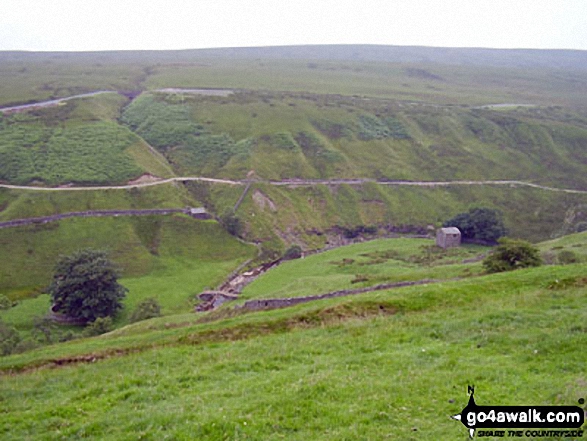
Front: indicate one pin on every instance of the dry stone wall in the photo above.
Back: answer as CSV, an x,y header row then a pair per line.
x,y
264,304
100,213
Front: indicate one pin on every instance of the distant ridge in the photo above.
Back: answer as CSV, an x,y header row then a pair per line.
x,y
520,58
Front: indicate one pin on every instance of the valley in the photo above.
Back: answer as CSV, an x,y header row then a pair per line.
x,y
349,158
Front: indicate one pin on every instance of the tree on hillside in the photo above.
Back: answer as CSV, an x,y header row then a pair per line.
x,y
512,254
483,224
85,286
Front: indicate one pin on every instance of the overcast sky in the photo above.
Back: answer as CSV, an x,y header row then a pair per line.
x,y
76,25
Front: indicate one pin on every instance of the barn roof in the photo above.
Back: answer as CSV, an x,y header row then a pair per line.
x,y
450,230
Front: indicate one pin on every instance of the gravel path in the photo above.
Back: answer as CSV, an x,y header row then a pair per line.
x,y
298,183
51,102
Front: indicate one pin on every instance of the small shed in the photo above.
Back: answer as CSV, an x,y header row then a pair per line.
x,y
448,237
199,213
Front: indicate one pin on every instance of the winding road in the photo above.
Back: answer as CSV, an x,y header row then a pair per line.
x,y
286,182
50,103
297,183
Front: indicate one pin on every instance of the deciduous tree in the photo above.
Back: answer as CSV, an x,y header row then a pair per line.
x,y
85,286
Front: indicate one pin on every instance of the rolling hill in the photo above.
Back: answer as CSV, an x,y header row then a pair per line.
x,y
391,364
368,114
298,145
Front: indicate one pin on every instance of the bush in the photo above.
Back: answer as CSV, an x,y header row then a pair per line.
x,y
44,329
101,325
566,257
512,254
148,308
482,224
353,232
293,252
9,339
232,223
85,286
24,345
5,302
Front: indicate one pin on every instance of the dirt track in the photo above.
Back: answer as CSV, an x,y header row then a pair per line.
x,y
50,103
298,183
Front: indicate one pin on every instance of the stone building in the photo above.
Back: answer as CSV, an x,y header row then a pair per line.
x,y
199,213
448,237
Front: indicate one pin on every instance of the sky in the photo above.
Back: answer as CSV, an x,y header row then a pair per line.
x,y
90,25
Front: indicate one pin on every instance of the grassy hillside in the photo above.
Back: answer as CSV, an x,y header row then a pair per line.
x,y
365,264
388,365
77,142
137,244
305,215
281,136
385,365
380,114
320,136
17,204
567,249
169,258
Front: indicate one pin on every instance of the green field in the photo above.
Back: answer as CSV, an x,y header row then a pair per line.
x,y
387,365
171,259
365,264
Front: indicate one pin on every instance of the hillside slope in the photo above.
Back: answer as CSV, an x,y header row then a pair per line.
x,y
321,136
387,365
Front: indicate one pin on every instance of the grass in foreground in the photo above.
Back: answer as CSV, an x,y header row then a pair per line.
x,y
391,365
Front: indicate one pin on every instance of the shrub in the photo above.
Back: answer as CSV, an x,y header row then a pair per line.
x,y
232,223
284,141
5,302
512,254
371,127
353,232
566,257
9,339
160,123
99,326
331,129
44,329
24,345
293,252
148,308
92,153
85,286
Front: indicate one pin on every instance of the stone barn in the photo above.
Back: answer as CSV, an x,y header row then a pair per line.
x,y
199,213
448,237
